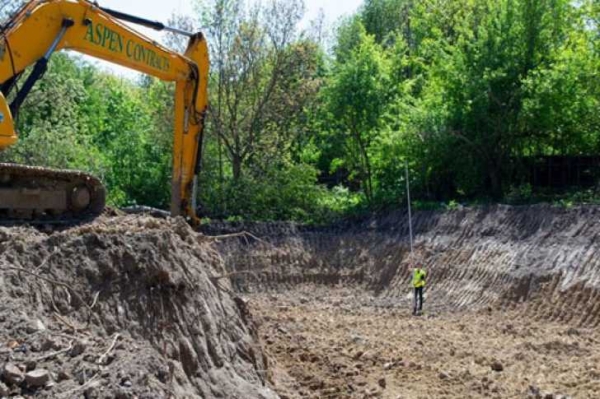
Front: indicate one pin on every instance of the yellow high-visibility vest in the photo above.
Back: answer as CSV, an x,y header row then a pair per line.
x,y
419,278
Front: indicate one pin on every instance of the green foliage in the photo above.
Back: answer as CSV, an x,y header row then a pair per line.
x,y
460,91
354,99
50,119
470,88
562,100
86,119
287,192
521,194
384,19
338,202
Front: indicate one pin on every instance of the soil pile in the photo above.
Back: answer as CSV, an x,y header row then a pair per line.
x,y
125,307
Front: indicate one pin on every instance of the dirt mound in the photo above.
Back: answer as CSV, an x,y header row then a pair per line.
x,y
125,307
541,258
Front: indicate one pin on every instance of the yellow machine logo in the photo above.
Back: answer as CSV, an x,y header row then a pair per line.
x,y
107,38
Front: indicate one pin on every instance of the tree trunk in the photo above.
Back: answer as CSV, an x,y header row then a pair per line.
x,y
236,163
369,177
496,183
366,165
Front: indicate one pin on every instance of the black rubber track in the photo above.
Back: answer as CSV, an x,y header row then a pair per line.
x,y
45,177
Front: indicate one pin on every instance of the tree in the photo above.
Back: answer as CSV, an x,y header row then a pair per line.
x,y
250,63
50,119
561,100
386,18
176,41
356,97
497,46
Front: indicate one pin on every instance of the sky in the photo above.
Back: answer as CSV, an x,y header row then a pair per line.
x,y
161,10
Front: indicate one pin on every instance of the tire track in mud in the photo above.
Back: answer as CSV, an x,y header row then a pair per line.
x,y
541,258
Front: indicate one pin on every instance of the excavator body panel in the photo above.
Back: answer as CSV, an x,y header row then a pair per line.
x,y
8,137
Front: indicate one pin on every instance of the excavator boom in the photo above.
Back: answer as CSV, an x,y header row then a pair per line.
x,y
43,27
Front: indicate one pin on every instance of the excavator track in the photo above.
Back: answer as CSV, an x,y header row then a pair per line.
x,y
36,195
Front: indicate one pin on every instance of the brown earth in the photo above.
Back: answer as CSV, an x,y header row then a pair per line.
x,y
137,307
339,343
514,285
126,307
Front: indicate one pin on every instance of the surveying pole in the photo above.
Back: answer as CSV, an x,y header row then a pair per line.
x,y
410,232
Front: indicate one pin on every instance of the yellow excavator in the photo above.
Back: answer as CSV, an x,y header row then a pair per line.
x,y
29,38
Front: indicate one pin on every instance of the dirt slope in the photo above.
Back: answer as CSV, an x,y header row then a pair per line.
x,y
542,256
125,307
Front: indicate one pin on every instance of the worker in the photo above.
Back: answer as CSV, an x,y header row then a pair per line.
x,y
418,282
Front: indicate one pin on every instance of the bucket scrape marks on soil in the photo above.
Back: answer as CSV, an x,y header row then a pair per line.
x,y
341,343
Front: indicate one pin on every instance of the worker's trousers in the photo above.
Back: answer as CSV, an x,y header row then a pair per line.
x,y
418,302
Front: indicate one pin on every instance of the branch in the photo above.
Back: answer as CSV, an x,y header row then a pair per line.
x,y
48,280
81,388
51,355
226,141
258,111
65,322
110,348
46,259
242,234
95,300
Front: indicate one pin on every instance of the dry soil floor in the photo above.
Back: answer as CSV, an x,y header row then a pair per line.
x,y
328,342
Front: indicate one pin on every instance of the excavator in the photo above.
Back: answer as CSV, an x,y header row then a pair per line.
x,y
40,28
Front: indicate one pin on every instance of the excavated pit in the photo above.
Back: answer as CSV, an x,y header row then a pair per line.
x,y
512,303
543,259
138,307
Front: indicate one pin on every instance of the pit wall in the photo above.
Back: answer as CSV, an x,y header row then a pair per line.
x,y
541,258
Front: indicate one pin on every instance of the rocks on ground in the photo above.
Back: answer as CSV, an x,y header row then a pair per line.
x,y
102,310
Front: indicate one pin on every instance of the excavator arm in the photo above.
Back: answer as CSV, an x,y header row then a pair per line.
x,y
43,27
